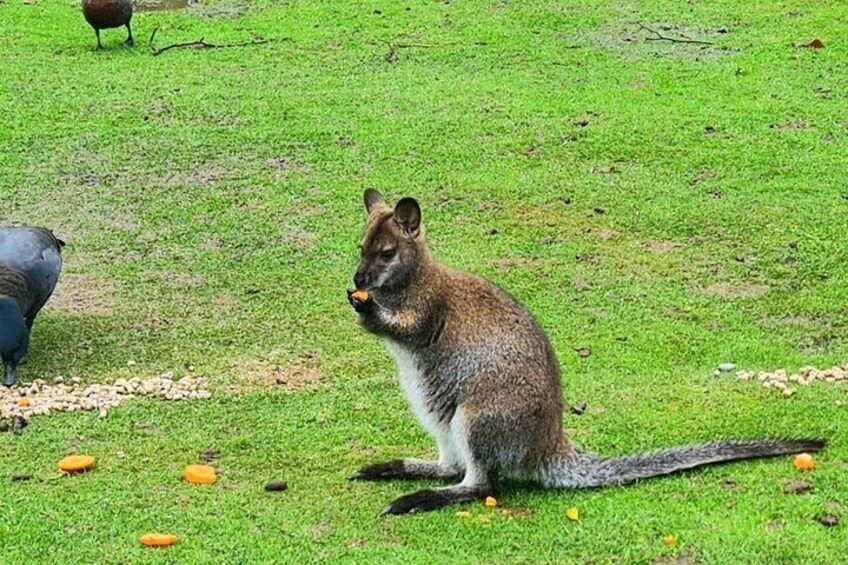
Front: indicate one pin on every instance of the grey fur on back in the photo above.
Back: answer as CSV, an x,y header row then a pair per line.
x,y
36,255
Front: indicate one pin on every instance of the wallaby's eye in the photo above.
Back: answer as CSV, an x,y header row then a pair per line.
x,y
387,254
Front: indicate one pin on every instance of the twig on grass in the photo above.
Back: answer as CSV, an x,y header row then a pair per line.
x,y
201,44
661,37
392,55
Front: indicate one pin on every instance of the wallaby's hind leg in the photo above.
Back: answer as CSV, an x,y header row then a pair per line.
x,y
406,469
435,498
478,481
449,466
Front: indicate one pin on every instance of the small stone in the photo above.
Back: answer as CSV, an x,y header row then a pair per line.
x,y
58,380
579,408
797,487
130,363
18,424
726,367
276,486
827,520
4,425
583,351
76,380
103,413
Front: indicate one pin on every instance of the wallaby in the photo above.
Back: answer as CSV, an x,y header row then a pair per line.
x,y
483,380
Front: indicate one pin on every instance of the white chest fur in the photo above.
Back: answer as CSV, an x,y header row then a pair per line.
x,y
412,383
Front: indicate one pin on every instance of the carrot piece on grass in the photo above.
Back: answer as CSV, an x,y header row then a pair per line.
x,y
74,463
158,540
201,474
805,462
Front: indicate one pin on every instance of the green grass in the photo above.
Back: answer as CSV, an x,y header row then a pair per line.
x,y
180,181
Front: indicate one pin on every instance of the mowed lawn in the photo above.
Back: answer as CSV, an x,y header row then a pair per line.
x,y
670,206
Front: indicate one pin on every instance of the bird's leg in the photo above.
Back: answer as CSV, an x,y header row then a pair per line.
x,y
97,33
129,42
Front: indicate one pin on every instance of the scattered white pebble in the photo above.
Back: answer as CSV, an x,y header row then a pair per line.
x,y
61,397
726,367
805,376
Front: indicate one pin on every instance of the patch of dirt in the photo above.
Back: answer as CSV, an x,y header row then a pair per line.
x,y
206,174
793,125
684,558
703,174
78,293
266,374
318,531
298,238
580,284
660,246
509,263
181,280
210,242
122,222
281,164
517,512
354,543
737,290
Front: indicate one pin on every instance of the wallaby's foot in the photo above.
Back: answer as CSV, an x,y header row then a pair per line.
x,y
379,471
433,499
406,469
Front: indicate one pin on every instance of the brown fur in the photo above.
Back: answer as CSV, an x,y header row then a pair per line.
x,y
482,377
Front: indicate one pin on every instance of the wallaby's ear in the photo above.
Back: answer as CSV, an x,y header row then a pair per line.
x,y
408,216
372,198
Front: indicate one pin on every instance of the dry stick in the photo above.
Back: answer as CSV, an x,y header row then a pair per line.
x,y
391,56
661,37
200,44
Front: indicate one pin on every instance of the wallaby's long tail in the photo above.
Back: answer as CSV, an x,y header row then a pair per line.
x,y
586,470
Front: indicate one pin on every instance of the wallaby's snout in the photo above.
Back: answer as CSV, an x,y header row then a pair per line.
x,y
359,278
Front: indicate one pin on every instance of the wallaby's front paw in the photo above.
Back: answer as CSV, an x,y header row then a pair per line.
x,y
361,301
421,501
380,471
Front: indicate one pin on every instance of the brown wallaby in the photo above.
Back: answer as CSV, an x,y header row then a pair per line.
x,y
482,378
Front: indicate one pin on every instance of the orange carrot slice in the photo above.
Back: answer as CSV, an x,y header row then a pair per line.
x,y
23,402
361,295
154,539
75,463
201,474
805,462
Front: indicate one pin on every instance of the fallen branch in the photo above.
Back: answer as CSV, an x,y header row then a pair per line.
x,y
392,56
661,37
201,44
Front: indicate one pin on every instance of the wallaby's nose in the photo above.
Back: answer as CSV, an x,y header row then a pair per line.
x,y
359,280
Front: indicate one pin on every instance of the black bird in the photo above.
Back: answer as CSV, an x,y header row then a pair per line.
x,y
105,14
30,263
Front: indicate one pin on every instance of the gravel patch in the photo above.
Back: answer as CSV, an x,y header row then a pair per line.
x,y
785,382
40,398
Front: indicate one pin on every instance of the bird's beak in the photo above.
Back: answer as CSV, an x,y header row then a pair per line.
x,y
11,375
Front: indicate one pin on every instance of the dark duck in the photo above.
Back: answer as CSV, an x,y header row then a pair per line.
x,y
107,14
30,263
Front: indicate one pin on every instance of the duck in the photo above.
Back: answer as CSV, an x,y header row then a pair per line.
x,y
106,14
30,264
